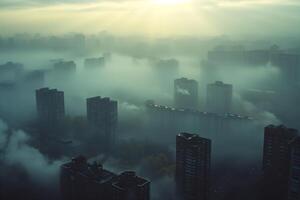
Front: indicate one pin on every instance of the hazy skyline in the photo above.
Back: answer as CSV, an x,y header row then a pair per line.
x,y
152,18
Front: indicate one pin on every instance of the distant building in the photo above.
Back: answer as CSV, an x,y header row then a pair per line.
x,y
186,93
165,71
227,55
263,99
167,64
65,67
77,42
192,166
238,55
171,120
289,65
93,63
294,179
276,160
128,186
102,115
80,180
50,106
34,79
288,62
11,72
257,57
219,97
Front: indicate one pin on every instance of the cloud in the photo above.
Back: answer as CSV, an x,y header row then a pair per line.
x,y
183,91
140,17
18,152
29,3
41,3
252,2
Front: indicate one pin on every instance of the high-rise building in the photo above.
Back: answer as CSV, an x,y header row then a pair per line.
x,y
50,112
80,180
276,160
289,64
219,97
50,106
129,186
186,93
294,179
102,115
168,120
192,166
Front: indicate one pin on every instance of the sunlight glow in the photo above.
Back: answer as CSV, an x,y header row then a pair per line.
x,y
170,2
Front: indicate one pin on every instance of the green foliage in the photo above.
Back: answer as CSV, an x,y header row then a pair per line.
x,y
159,165
156,159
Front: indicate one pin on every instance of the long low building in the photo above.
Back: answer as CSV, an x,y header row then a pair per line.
x,y
171,120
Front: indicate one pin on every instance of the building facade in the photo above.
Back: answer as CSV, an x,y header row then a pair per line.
x,y
94,63
129,186
50,106
294,179
192,167
219,97
186,93
65,67
276,160
102,116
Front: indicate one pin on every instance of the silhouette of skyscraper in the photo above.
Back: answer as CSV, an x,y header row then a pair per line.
x,y
102,115
192,166
219,97
50,106
186,93
65,67
276,160
294,179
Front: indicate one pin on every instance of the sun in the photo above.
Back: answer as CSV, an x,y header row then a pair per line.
x,y
170,2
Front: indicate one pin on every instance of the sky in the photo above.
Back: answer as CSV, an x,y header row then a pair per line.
x,y
153,18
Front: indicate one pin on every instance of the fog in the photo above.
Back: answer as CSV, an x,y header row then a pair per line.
x,y
134,73
27,166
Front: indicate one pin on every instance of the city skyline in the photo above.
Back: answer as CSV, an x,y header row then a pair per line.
x,y
149,99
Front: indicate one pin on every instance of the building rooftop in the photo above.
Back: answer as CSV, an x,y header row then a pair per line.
x,y
281,127
94,172
11,66
189,137
129,179
283,131
46,89
100,99
220,83
196,112
183,79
